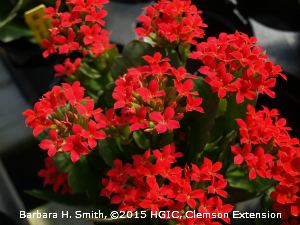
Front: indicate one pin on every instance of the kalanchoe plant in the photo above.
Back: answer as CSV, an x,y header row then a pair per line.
x,y
163,139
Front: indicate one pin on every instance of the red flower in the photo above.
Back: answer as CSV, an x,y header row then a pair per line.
x,y
37,118
176,21
189,196
155,59
151,92
264,88
218,79
217,188
136,186
52,176
52,144
181,74
268,151
184,89
72,123
68,44
74,93
193,104
139,122
79,28
167,155
97,17
93,134
86,109
154,95
76,147
232,63
67,68
210,169
243,89
242,154
50,46
284,195
295,208
90,33
164,122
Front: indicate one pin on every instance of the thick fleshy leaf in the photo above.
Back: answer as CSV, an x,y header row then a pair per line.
x,y
227,121
141,140
83,179
88,71
201,123
238,180
132,56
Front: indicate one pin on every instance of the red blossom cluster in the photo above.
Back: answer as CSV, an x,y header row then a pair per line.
x,y
176,21
287,173
151,182
259,129
269,151
77,27
234,64
55,178
67,68
155,96
72,123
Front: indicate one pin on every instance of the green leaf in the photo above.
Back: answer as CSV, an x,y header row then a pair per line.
x,y
222,108
141,140
161,140
135,50
174,58
119,67
238,178
201,123
227,122
13,31
88,71
70,199
62,162
124,133
109,151
241,188
132,56
104,62
85,180
109,88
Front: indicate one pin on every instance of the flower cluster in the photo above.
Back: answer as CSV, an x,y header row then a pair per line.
x,y
259,129
233,64
72,123
287,173
176,21
149,104
79,28
55,178
151,182
269,151
155,96
67,68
